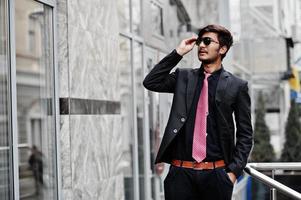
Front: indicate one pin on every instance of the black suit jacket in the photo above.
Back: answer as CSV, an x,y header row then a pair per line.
x,y
231,97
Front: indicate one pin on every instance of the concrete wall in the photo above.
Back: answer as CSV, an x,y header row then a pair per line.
x,y
88,68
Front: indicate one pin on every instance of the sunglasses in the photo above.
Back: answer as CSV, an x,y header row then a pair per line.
x,y
205,40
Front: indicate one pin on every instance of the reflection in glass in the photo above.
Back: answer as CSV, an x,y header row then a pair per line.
x,y
136,9
157,19
139,108
154,135
126,116
4,105
123,7
34,77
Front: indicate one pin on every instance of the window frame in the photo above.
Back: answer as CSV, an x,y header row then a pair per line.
x,y
12,93
133,37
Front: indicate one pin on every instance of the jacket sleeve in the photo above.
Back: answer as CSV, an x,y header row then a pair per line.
x,y
244,132
159,78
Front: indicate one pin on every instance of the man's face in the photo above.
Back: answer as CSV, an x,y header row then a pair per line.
x,y
211,52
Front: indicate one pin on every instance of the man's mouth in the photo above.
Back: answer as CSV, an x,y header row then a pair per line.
x,y
202,50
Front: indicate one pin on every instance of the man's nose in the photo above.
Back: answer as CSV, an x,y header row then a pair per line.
x,y
201,47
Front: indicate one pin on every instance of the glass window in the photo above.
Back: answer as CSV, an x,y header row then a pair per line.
x,y
126,96
138,70
157,18
136,16
154,131
35,100
124,15
4,105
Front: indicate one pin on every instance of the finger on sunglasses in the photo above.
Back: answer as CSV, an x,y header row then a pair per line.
x,y
190,41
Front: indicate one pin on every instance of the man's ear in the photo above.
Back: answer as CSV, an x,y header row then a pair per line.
x,y
223,50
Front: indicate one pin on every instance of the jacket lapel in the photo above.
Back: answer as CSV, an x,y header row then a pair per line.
x,y
221,86
191,88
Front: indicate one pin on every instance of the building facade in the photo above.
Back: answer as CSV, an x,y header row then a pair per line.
x,y
268,30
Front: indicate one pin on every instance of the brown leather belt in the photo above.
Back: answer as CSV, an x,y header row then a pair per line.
x,y
198,166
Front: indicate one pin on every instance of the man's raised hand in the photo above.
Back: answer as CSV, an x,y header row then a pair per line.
x,y
186,45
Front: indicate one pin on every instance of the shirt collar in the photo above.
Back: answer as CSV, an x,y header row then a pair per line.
x,y
214,74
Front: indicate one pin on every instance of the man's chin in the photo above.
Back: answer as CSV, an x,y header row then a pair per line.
x,y
203,60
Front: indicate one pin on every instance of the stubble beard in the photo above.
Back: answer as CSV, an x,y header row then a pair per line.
x,y
209,60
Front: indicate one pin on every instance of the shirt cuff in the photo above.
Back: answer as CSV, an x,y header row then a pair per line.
x,y
176,54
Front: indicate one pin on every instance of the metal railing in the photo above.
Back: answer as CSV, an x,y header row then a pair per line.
x,y
252,169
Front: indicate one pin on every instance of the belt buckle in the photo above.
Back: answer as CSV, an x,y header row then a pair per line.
x,y
195,164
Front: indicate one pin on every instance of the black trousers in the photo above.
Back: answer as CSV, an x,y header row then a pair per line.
x,y
189,184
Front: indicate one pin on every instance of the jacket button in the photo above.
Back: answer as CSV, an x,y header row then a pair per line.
x,y
175,130
182,119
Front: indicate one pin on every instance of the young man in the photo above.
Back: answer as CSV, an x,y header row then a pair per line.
x,y
199,142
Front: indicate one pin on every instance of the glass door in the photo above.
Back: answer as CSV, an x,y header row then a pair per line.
x,y
5,145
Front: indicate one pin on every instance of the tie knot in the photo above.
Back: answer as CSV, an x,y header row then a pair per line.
x,y
206,75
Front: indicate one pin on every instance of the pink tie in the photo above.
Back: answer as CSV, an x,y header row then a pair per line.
x,y
200,126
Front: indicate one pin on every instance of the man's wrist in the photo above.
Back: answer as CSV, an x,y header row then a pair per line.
x,y
232,177
180,52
